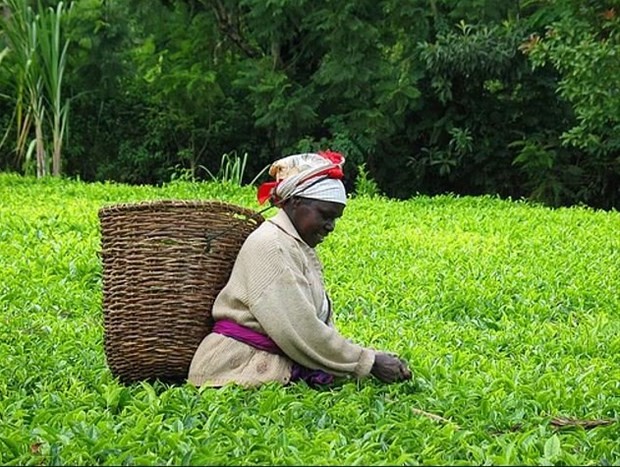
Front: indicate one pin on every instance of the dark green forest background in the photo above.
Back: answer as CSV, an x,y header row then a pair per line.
x,y
515,98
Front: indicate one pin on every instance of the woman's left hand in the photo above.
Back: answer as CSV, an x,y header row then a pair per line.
x,y
389,368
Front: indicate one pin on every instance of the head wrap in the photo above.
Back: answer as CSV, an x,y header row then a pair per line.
x,y
308,175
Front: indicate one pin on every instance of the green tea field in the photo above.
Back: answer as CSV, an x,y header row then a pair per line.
x,y
508,313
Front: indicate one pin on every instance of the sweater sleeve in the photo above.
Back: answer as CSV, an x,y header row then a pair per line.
x,y
285,310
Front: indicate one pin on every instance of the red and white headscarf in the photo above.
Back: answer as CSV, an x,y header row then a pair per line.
x,y
309,175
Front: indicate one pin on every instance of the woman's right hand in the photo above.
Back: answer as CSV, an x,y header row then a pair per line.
x,y
389,368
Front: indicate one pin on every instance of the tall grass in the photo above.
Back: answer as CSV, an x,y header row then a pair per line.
x,y
508,313
37,54
232,170
53,57
20,33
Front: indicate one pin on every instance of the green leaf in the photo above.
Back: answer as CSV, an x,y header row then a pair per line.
x,y
553,447
12,445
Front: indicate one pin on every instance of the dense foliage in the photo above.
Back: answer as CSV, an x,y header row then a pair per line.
x,y
507,312
518,99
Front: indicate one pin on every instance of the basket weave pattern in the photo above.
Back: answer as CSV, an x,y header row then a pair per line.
x,y
162,269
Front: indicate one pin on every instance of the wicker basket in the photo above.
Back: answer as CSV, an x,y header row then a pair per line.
x,y
163,265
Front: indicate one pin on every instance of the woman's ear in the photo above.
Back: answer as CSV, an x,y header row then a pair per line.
x,y
289,205
295,201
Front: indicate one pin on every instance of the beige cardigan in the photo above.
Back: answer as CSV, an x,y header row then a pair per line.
x,y
276,288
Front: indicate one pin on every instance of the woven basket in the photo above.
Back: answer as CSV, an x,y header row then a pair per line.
x,y
162,269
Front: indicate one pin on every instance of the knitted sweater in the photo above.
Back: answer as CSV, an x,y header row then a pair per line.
x,y
275,288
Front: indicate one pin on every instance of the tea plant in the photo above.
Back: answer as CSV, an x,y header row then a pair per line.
x,y
507,312
364,184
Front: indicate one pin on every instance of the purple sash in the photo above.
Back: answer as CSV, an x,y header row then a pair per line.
x,y
229,328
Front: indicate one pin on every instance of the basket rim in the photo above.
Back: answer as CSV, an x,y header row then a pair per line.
x,y
190,203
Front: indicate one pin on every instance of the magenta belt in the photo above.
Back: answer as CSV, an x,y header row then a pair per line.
x,y
229,328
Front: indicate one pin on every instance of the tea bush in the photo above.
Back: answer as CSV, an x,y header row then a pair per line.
x,y
507,312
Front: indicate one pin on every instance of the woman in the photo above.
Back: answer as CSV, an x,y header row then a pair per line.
x,y
273,319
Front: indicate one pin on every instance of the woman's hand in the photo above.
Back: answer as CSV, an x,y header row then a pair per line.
x,y
389,368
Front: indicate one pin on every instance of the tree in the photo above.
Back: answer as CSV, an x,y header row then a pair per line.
x,y
584,47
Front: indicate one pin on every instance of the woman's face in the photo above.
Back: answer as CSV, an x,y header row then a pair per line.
x,y
314,219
